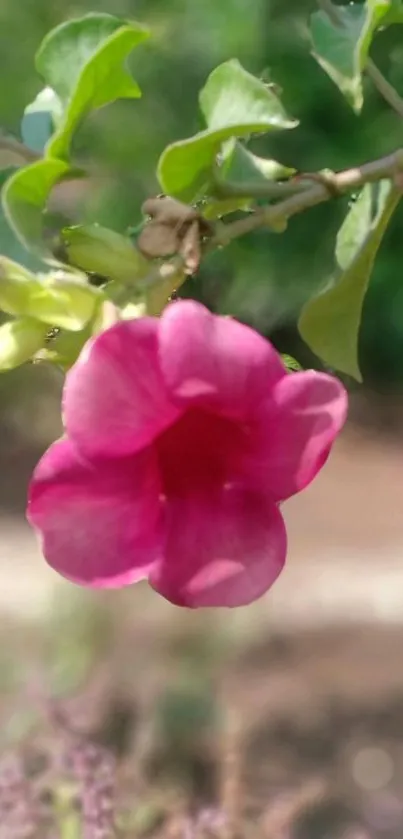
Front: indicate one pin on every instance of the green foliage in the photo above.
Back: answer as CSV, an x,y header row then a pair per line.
x,y
330,323
234,104
341,47
83,61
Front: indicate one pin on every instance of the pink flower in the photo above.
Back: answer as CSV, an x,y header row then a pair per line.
x,y
183,435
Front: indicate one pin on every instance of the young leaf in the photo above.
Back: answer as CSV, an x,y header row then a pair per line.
x,y
83,60
234,104
330,323
101,251
291,364
24,199
342,50
19,341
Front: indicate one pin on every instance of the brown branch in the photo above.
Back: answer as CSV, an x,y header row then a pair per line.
x,y
270,189
342,183
275,217
386,90
19,152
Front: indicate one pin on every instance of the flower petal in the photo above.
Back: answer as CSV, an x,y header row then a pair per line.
x,y
99,524
215,361
221,550
295,434
115,399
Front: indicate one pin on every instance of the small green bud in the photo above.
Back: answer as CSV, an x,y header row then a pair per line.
x,y
102,251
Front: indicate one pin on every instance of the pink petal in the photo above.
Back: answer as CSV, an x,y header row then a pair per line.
x,y
225,549
297,429
215,361
99,524
115,400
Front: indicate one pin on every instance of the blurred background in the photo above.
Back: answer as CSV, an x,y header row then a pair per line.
x,y
287,716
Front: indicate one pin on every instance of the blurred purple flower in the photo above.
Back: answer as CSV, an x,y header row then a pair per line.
x,y
95,771
183,435
18,812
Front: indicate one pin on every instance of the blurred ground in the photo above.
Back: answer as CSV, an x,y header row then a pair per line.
x,y
287,714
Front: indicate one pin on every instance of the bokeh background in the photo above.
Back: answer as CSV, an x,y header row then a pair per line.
x,y
287,715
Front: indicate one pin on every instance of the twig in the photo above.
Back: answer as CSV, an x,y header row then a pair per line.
x,y
275,216
271,189
387,91
18,150
342,183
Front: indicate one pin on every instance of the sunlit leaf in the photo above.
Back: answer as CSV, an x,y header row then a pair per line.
x,y
102,251
16,285
330,323
65,301
84,61
234,104
342,50
24,199
58,299
19,341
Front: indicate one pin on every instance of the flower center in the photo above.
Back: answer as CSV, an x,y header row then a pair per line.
x,y
198,452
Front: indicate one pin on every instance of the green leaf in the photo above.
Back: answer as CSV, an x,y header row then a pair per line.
x,y
342,50
57,299
354,231
39,119
83,60
242,167
102,251
395,15
19,341
234,104
24,199
330,323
